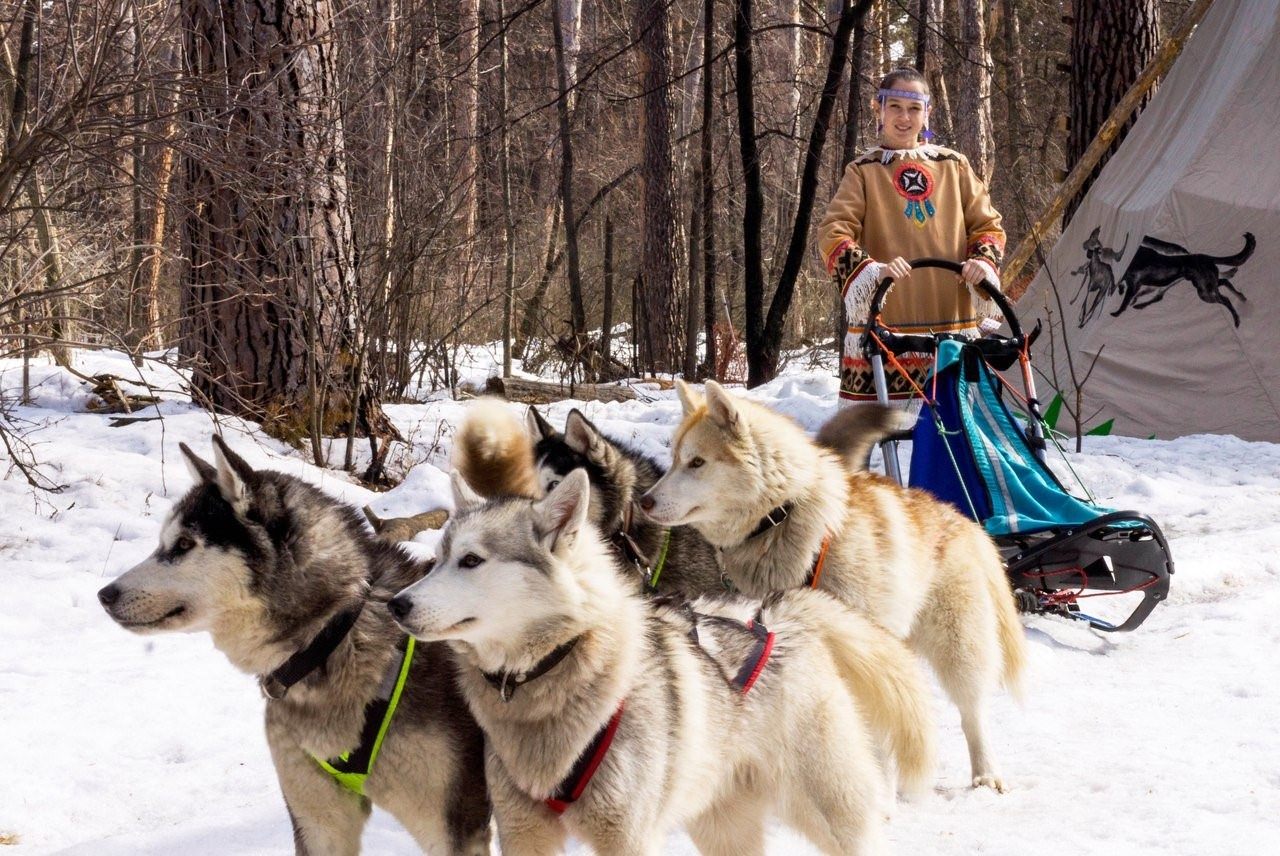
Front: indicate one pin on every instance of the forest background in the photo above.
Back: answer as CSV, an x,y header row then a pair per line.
x,y
309,206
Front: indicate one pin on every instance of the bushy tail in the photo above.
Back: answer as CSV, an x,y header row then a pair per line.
x,y
854,431
494,453
1013,642
889,685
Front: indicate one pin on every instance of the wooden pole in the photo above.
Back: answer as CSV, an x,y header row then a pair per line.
x,y
1160,63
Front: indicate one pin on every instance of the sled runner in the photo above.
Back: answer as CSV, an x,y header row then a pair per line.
x,y
970,450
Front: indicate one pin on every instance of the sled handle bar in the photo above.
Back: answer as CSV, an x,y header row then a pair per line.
x,y
906,342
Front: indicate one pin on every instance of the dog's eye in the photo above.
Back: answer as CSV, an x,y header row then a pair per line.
x,y
183,544
470,560
694,463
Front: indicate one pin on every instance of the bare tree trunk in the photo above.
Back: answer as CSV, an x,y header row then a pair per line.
x,y
658,257
508,213
1111,42
578,316
152,335
753,193
58,306
270,284
707,174
940,116
922,33
972,119
465,114
606,319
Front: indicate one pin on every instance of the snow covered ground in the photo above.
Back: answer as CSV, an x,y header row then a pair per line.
x,y
1164,741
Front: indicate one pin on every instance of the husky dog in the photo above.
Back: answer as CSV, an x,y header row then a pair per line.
x,y
627,717
673,559
786,513
291,586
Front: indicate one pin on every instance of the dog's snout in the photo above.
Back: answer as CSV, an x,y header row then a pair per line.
x,y
109,595
646,503
400,607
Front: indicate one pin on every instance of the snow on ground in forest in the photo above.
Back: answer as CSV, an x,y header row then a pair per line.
x,y
1163,741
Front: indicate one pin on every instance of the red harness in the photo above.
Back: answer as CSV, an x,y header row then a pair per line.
x,y
570,790
575,784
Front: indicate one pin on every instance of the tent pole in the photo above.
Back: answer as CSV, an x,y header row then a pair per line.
x,y
1158,65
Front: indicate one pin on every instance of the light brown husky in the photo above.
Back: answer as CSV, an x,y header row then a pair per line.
x,y
758,488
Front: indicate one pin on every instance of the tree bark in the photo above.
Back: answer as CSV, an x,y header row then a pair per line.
x,y
578,315
1111,42
707,174
659,333
269,285
972,119
508,210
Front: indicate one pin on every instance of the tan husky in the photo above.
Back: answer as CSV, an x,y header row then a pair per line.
x,y
617,718
772,500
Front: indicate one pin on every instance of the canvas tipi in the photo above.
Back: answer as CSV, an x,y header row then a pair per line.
x,y
1168,275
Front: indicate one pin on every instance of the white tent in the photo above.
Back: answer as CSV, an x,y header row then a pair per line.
x,y
1169,272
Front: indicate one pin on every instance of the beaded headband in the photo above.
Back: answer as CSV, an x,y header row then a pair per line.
x,y
883,94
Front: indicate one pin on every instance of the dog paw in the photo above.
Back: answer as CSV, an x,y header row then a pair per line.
x,y
990,781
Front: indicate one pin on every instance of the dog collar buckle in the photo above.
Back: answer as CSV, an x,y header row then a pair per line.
x,y
272,687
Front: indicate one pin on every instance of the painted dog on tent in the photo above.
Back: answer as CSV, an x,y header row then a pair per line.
x,y
1158,265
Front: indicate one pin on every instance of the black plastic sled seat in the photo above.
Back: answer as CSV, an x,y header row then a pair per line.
x,y
969,449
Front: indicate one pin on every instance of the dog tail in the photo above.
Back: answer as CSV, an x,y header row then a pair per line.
x,y
1013,641
854,431
1241,257
885,678
494,453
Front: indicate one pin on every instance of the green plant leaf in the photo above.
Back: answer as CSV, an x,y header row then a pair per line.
x,y
1103,430
1055,410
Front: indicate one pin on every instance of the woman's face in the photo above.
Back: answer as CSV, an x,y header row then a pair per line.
x,y
902,119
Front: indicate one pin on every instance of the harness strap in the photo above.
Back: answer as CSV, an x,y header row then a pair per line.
x,y
312,657
652,582
571,789
775,517
815,575
750,671
506,683
352,768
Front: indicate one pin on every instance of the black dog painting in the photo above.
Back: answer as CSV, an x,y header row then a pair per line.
x,y
1158,266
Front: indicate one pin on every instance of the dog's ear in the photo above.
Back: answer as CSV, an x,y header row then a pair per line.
x,y
201,470
464,496
563,512
234,477
689,398
539,428
721,407
586,439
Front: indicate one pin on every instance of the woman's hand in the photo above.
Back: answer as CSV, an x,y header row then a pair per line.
x,y
899,269
973,272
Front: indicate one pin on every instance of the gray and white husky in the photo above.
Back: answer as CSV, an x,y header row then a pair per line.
x,y
292,587
786,512
617,718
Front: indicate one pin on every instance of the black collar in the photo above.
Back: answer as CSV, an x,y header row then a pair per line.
x,y
506,683
312,657
772,519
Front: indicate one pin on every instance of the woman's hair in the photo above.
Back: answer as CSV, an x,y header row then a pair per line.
x,y
904,75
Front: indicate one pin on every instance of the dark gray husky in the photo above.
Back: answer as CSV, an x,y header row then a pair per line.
x,y
293,588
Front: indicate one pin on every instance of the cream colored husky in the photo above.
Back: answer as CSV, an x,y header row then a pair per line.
x,y
619,718
758,488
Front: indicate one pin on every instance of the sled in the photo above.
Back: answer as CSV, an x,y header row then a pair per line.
x,y
969,449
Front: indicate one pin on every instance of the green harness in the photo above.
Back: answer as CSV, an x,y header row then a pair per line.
x,y
352,768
